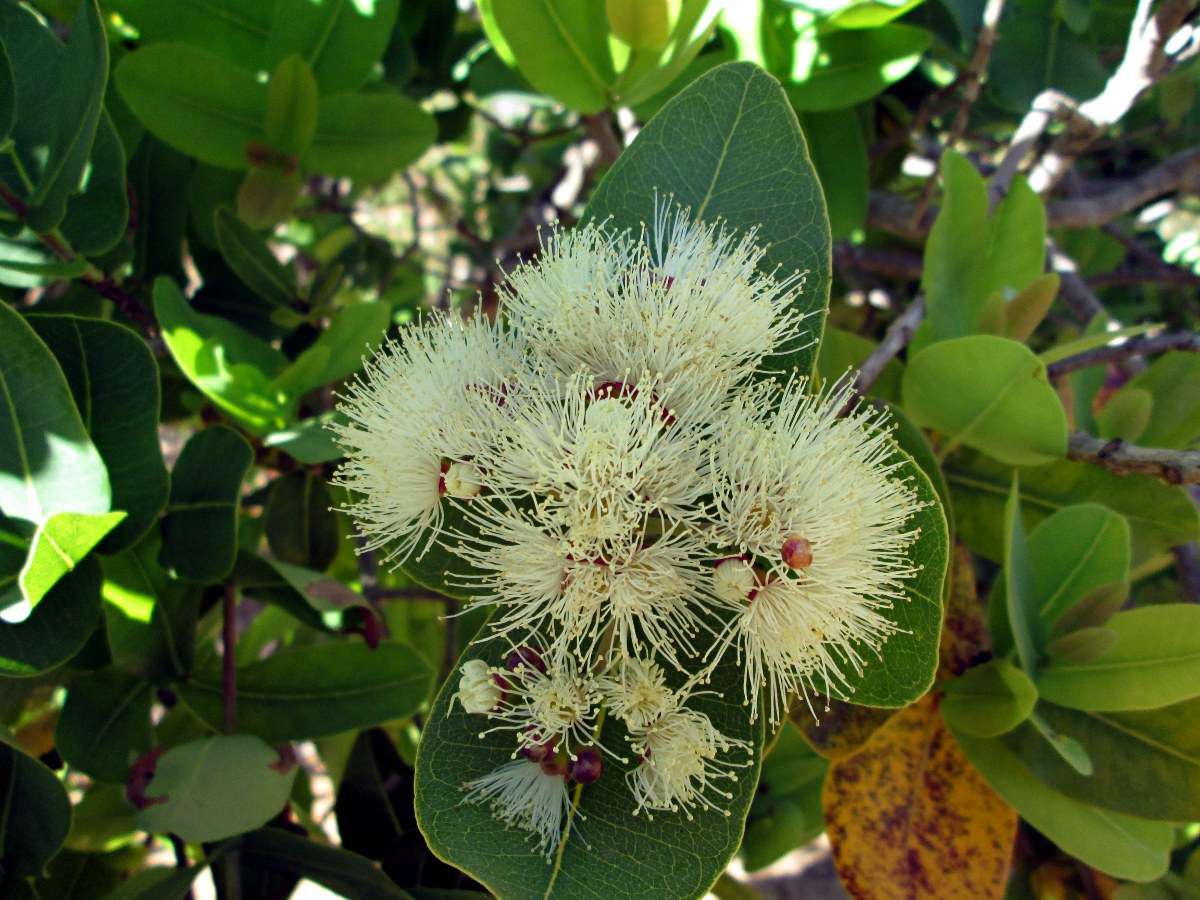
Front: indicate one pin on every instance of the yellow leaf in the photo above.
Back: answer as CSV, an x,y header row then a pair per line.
x,y
838,728
964,636
908,816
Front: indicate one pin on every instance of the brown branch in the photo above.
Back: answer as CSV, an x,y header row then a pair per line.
x,y
1136,346
1172,466
896,338
1180,172
601,129
1187,565
1144,62
899,264
1074,291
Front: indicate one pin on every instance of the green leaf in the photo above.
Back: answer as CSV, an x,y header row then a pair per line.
x,y
839,153
156,173
1096,608
59,545
200,529
1084,645
988,700
908,660
37,814
1001,401
8,93
1120,845
1126,414
230,366
1145,762
150,619
197,102
1159,516
105,723
47,462
1154,662
786,812
912,440
624,855
1071,751
728,146
77,99
648,73
368,137
1074,552
1024,312
98,216
1095,335
842,351
339,870
291,118
159,883
837,69
341,40
315,599
252,260
561,47
1020,598
316,691
971,257
353,335
1173,381
232,28
114,380
870,13
302,528
216,787
57,628
25,262
309,442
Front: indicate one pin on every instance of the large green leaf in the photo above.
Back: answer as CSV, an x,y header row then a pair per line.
x,y
105,723
8,93
1020,598
54,159
835,69
1075,551
114,380
200,531
1159,516
368,137
839,153
315,691
98,216
232,367
608,850
216,787
57,628
302,528
25,262
1120,845
36,814
1173,383
252,260
729,146
59,545
989,393
353,334
560,46
341,40
989,700
1154,661
907,662
972,257
197,102
47,462
233,28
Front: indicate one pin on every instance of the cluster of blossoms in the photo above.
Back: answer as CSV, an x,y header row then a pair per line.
x,y
636,505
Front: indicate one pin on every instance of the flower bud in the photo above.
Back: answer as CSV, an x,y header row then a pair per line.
x,y
478,691
461,480
586,767
797,552
525,656
733,579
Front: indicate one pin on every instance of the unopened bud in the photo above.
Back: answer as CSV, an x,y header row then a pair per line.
x,y
461,480
478,691
797,552
733,579
525,656
586,767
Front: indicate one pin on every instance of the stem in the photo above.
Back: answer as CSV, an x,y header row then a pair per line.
x,y
1172,466
1137,346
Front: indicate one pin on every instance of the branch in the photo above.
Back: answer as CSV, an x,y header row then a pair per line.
x,y
1180,172
1137,346
1145,61
896,338
1074,290
899,264
1172,466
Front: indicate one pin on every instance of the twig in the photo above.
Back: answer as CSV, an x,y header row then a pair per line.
x,y
600,128
1136,346
1172,466
896,338
972,80
1046,107
1180,172
1144,62
899,264
1073,289
1187,564
228,659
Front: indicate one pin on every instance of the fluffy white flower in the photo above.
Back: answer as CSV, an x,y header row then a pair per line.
x,y
637,693
479,688
682,764
815,501
685,304
413,424
524,795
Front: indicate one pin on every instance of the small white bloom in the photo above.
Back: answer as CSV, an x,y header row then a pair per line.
x,y
733,580
413,421
813,498
523,795
682,764
637,693
479,691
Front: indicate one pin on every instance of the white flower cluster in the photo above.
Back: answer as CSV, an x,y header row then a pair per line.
x,y
636,506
